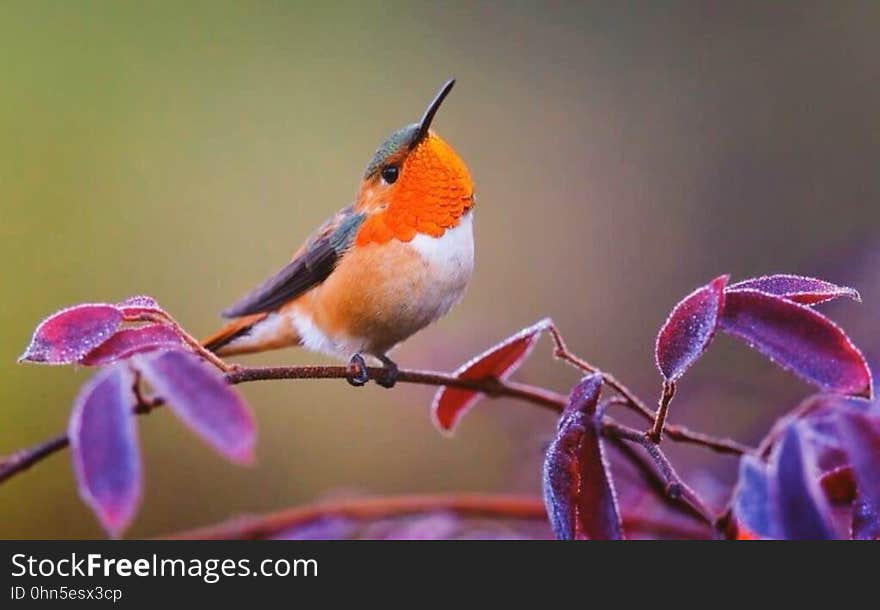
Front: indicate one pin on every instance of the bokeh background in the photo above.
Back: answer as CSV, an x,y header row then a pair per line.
x,y
624,153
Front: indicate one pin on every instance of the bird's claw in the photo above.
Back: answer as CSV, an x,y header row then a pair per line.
x,y
388,378
357,371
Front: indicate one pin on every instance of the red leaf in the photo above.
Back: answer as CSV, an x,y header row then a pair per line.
x,y
751,501
68,335
799,506
500,361
578,492
104,445
136,308
689,329
199,396
130,341
805,290
839,485
798,339
860,435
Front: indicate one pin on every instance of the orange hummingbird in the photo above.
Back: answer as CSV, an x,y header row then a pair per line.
x,y
378,271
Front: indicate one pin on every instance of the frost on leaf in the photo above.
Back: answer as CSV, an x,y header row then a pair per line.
x,y
135,308
129,341
500,361
104,446
199,395
68,335
578,491
804,290
689,329
798,339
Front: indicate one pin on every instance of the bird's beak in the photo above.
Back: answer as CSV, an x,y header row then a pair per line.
x,y
432,109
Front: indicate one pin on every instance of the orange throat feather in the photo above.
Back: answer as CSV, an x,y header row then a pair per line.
x,y
434,191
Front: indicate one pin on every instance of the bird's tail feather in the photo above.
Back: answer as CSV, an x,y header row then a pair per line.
x,y
224,341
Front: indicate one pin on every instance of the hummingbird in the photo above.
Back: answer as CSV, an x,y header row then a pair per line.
x,y
379,270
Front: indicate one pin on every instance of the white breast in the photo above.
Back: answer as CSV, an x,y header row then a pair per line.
x,y
450,260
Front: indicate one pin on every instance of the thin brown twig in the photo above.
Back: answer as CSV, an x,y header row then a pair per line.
x,y
24,459
656,433
675,488
562,352
490,386
647,471
192,342
726,446
631,399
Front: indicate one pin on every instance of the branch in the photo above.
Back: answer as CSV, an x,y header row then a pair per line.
x,y
726,446
491,506
672,486
675,489
363,509
665,479
647,471
24,459
656,433
490,386
631,400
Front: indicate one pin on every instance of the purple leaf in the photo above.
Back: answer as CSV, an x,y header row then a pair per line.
x,y
860,434
689,329
103,441
751,501
798,339
139,307
68,335
804,290
199,396
866,520
500,361
799,507
819,412
578,492
129,341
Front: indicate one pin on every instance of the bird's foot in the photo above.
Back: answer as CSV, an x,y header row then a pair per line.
x,y
390,371
357,371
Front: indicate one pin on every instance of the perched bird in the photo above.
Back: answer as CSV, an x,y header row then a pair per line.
x,y
381,269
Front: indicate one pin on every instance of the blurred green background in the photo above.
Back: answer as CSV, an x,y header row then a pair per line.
x,y
624,153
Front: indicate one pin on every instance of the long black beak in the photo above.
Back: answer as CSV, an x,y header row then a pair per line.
x,y
432,109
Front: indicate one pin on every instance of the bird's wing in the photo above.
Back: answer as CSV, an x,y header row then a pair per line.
x,y
311,265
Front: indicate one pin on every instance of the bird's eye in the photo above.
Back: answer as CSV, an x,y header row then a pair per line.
x,y
389,174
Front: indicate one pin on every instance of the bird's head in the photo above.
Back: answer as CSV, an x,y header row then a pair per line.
x,y
415,183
